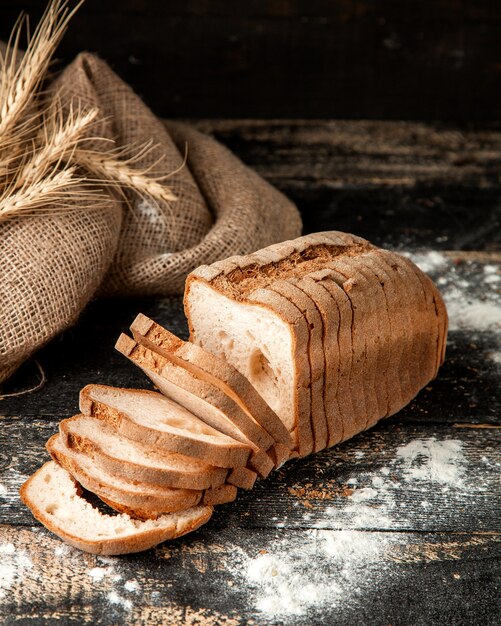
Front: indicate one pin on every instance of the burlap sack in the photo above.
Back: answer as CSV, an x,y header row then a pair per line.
x,y
50,267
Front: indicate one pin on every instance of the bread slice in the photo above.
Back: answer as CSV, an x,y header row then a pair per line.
x,y
303,298
150,418
209,367
203,399
135,461
220,495
54,498
243,477
139,500
232,314
266,342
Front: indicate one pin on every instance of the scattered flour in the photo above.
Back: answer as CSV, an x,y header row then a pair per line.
x,y
131,585
431,460
110,581
98,573
13,565
62,550
467,314
495,357
7,548
378,504
114,598
458,284
427,261
366,493
325,568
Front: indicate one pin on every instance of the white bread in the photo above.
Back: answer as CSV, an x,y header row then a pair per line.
x,y
140,500
220,495
135,461
232,314
210,367
54,498
203,399
152,419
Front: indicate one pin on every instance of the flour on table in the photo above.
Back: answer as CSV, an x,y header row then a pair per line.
x,y
98,573
458,283
431,460
13,565
115,598
131,585
427,261
324,568
374,501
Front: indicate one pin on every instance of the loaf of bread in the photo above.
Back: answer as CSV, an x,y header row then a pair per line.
x,y
292,349
333,332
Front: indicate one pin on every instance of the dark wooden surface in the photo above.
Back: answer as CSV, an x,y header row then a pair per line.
x,y
364,533
296,58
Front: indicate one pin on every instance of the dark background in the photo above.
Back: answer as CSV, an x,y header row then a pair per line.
x,y
392,59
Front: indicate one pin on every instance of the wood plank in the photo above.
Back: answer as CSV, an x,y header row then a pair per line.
x,y
261,576
396,476
398,184
466,390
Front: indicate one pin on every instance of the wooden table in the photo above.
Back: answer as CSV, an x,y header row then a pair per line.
x,y
401,525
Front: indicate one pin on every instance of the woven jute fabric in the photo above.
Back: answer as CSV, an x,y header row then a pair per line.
x,y
51,266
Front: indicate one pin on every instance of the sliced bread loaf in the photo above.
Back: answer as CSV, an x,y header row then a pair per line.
x,y
215,370
54,498
136,461
232,314
203,399
152,419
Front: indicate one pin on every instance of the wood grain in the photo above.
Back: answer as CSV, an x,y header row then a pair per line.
x,y
432,540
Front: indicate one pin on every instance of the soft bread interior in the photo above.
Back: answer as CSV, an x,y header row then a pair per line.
x,y
80,428
255,340
154,409
54,497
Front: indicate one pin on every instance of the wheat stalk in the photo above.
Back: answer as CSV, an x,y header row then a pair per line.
x,y
41,152
54,191
60,139
105,166
20,79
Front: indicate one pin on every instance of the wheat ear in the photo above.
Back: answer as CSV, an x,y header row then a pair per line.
x,y
120,172
20,79
60,139
54,191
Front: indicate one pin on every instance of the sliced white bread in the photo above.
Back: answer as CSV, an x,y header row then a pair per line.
x,y
54,498
140,500
292,290
208,366
203,399
220,495
232,315
136,461
152,419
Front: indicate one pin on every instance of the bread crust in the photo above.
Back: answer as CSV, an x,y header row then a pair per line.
x,y
219,450
141,539
200,476
196,395
219,372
